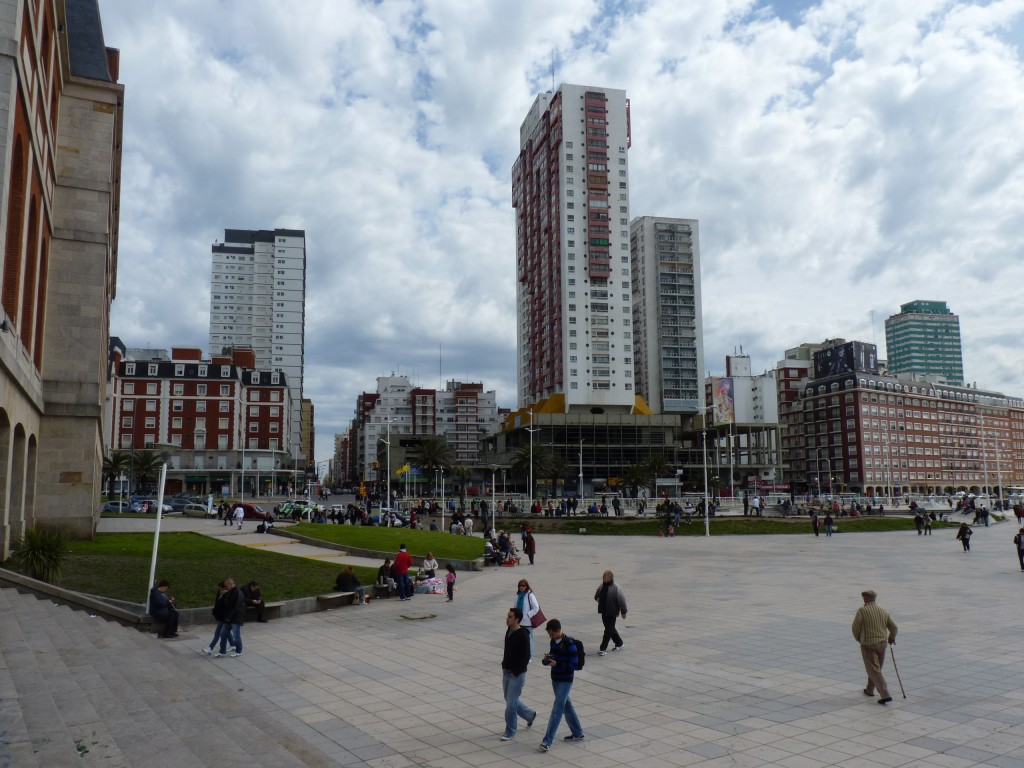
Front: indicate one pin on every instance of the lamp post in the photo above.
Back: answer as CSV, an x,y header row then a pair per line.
x,y
442,498
156,534
704,447
494,502
529,491
387,466
580,490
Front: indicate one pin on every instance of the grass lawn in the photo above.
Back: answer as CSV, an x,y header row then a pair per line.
x,y
116,565
720,526
444,546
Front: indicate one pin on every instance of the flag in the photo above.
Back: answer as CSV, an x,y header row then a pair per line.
x,y
402,470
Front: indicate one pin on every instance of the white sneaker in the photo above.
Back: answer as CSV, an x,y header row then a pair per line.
x,y
617,648
235,654
602,653
207,651
219,655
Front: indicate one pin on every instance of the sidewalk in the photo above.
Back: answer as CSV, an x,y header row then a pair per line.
x,y
738,652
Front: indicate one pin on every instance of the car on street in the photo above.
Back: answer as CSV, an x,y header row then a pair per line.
x,y
140,505
252,512
198,510
116,506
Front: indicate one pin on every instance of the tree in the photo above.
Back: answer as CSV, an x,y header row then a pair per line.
x,y
145,466
463,473
543,464
653,468
433,453
633,477
116,464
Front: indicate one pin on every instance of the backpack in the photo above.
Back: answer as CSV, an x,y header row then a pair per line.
x,y
581,653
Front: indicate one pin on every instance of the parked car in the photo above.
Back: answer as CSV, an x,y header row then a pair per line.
x,y
139,504
252,512
116,506
198,510
180,501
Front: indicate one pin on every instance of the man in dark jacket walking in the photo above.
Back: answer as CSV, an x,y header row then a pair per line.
x,y
234,614
563,658
513,673
610,604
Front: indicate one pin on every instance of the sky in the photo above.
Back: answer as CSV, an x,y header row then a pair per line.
x,y
843,157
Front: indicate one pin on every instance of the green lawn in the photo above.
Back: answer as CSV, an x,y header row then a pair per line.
x,y
116,565
444,546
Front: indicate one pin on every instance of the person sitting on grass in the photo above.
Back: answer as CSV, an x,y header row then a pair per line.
x,y
429,568
347,581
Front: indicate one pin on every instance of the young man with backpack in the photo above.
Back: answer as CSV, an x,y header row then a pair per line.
x,y
565,657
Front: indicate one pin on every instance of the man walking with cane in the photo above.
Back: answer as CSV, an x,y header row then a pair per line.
x,y
872,628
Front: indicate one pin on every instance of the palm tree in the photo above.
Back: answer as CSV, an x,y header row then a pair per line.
x,y
433,453
543,460
556,471
115,465
145,466
633,477
463,473
653,468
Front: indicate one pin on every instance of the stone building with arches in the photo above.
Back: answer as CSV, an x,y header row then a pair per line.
x,y
61,110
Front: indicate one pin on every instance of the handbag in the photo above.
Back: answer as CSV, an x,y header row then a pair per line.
x,y
537,619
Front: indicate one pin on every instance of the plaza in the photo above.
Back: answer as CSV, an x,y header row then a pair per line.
x,y
738,652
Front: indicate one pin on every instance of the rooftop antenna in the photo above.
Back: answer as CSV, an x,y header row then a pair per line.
x,y
552,70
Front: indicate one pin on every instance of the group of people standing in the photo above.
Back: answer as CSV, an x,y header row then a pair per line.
x,y
565,656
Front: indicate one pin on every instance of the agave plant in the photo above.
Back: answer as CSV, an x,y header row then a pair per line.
x,y
41,553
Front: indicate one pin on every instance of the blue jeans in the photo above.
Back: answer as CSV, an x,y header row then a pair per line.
x,y
221,630
562,705
512,687
404,585
234,632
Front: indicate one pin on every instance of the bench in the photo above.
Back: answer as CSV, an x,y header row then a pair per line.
x,y
271,611
381,591
336,600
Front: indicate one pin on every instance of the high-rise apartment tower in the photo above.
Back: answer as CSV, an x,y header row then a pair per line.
x,y
925,338
668,338
570,190
258,299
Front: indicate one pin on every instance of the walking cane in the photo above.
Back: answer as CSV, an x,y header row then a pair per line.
x,y
892,652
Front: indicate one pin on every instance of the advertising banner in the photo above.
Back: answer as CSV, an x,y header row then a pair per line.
x,y
723,402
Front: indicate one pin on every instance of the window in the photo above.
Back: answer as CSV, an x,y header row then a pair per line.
x,y
201,406
176,405
275,397
150,422
154,369
151,405
127,422
222,423
179,389
200,389
273,427
202,370
176,422
254,427
129,369
179,370
225,406
201,425
275,412
129,405
151,388
129,389
225,371
225,390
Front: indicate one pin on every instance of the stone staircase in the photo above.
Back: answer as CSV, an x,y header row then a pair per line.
x,y
76,690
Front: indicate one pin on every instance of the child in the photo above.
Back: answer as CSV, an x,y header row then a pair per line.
x,y
450,579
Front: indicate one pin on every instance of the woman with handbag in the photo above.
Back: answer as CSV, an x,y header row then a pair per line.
x,y
533,616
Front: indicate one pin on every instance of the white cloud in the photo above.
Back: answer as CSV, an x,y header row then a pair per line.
x,y
843,157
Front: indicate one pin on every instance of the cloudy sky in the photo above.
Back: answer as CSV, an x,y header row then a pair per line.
x,y
842,156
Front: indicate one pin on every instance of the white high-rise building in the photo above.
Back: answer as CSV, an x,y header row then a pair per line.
x,y
570,189
668,333
258,299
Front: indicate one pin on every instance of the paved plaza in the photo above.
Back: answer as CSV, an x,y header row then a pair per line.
x,y
738,652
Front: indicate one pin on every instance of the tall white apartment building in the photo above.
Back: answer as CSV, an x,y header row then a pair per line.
x,y
570,191
258,299
668,333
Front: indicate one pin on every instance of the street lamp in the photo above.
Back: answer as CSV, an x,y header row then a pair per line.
x,y
442,498
388,466
531,430
580,490
704,447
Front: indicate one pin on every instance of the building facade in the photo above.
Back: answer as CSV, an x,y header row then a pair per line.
x,y
883,435
924,338
258,300
462,413
570,191
60,170
222,424
668,332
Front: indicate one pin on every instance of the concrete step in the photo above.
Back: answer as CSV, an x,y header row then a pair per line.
x,y
78,690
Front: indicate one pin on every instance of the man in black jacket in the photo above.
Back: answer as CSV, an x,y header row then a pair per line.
x,y
254,597
234,614
513,673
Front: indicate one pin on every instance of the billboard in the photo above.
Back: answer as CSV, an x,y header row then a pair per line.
x,y
850,357
723,401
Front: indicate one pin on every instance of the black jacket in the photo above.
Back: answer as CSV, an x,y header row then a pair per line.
x,y
346,582
234,606
517,651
